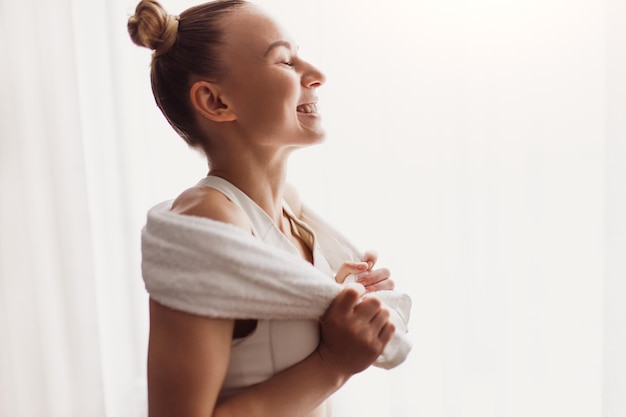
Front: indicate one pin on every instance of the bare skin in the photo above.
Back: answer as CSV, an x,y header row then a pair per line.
x,y
254,119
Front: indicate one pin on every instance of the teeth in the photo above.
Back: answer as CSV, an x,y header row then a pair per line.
x,y
307,108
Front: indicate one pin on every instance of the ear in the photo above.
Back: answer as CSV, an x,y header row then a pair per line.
x,y
207,101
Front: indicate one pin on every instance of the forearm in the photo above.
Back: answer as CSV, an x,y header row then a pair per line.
x,y
294,392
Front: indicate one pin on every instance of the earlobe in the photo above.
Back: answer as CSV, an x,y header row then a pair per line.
x,y
206,100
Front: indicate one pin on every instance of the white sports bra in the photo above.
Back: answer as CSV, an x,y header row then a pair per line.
x,y
275,344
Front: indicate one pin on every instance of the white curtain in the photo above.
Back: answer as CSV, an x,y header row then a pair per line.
x,y
50,353
614,337
478,146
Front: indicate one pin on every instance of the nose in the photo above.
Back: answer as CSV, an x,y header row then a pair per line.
x,y
312,77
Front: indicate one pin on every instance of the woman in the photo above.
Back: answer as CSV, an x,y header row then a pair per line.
x,y
229,80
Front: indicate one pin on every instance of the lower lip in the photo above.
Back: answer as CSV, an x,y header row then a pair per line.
x,y
308,114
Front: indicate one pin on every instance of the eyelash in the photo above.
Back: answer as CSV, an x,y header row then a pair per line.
x,y
288,63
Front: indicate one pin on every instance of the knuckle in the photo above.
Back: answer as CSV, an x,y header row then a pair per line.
x,y
373,302
350,294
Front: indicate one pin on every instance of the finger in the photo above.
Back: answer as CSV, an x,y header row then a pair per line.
x,y
380,319
370,257
368,308
387,332
348,268
374,277
346,300
386,284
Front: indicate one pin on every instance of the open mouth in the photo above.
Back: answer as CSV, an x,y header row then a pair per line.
x,y
309,108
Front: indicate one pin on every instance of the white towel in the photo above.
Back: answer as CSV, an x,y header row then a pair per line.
x,y
210,268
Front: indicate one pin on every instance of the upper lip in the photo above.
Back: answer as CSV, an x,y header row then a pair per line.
x,y
312,100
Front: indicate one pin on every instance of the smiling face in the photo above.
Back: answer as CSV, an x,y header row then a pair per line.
x,y
269,88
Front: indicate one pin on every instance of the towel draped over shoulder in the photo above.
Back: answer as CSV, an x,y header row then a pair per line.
x,y
205,267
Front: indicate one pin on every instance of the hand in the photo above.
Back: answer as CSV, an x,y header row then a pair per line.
x,y
354,331
372,280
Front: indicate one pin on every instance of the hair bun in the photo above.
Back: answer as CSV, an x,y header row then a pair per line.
x,y
152,27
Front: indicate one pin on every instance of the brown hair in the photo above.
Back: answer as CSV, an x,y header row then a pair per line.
x,y
184,46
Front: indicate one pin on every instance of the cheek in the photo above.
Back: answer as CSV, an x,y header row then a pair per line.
x,y
275,100
266,99
280,93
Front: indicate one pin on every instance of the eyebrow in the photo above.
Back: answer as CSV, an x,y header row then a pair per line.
x,y
276,44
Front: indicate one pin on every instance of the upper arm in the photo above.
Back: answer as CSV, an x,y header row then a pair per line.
x,y
188,354
187,361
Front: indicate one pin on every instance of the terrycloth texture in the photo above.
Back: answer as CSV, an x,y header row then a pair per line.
x,y
205,267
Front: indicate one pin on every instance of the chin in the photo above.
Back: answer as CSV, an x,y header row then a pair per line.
x,y
316,135
320,138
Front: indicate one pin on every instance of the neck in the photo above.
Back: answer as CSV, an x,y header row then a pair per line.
x,y
261,179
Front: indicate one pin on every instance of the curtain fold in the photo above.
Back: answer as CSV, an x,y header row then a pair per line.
x,y
50,339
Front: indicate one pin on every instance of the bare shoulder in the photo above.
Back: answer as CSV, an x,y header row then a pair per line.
x,y
212,204
292,198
